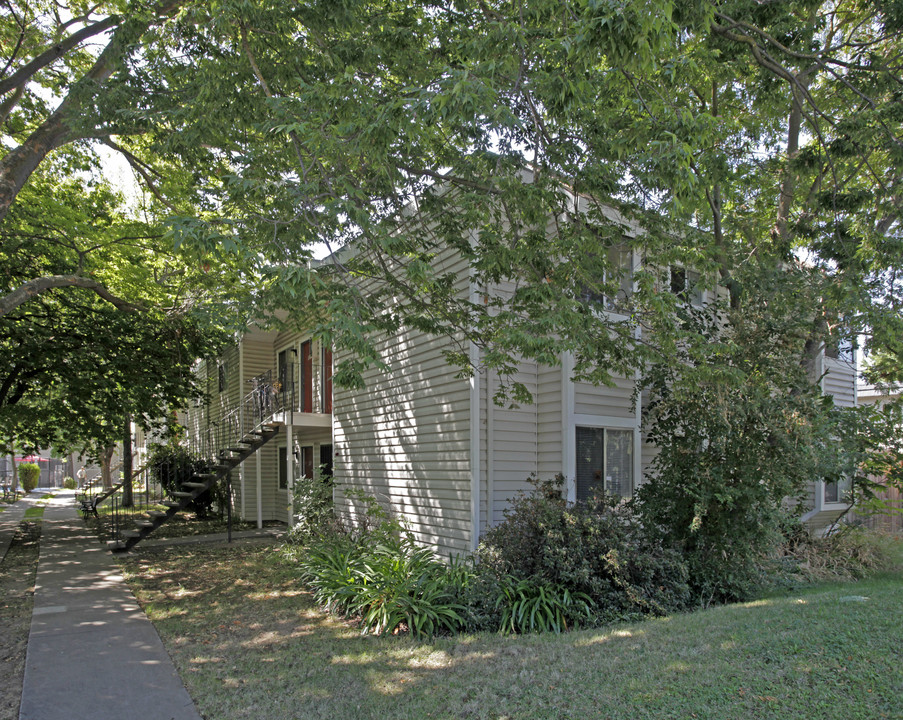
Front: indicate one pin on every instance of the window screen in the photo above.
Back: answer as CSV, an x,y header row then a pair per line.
x,y
604,462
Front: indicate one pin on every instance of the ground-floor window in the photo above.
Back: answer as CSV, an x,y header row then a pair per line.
x,y
283,468
604,462
838,492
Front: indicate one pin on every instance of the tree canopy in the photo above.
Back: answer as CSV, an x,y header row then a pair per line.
x,y
739,138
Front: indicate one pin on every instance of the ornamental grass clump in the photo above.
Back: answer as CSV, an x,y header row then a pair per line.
x,y
379,576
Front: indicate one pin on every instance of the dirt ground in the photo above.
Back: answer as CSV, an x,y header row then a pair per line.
x,y
17,578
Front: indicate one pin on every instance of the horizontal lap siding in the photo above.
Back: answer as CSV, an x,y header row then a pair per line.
x,y
257,358
550,460
405,438
840,382
513,452
603,400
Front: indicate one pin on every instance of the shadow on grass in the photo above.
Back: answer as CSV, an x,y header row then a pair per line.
x,y
249,642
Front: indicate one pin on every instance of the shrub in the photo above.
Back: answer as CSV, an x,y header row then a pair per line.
x,y
596,552
314,510
29,474
380,576
849,553
172,465
69,483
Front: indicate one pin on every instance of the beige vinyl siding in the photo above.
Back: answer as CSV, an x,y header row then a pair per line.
x,y
273,500
405,437
513,449
603,400
840,381
550,460
257,358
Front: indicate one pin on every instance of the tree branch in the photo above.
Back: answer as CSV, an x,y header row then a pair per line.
x,y
33,288
24,73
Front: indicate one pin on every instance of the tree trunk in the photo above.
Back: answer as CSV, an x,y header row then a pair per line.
x,y
15,472
106,475
18,165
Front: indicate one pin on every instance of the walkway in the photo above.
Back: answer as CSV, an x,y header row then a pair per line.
x,y
92,652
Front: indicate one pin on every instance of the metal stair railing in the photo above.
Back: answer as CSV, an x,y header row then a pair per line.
x,y
239,434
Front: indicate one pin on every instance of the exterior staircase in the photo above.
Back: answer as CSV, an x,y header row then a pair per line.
x,y
227,443
229,459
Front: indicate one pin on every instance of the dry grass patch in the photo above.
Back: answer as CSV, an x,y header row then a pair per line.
x,y
249,643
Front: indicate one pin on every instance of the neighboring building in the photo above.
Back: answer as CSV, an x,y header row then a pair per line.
x,y
869,394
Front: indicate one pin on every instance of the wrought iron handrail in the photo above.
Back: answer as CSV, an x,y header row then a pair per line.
x,y
152,485
266,398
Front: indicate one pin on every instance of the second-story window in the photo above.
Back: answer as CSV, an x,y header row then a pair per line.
x,y
618,281
685,284
222,377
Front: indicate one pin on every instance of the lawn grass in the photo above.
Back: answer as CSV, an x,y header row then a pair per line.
x,y
249,643
34,513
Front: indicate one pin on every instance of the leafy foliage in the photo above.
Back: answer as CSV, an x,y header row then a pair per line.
x,y
171,465
594,554
383,578
527,606
29,473
740,427
314,509
848,553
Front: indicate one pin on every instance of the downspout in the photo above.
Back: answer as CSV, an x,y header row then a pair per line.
x,y
490,451
568,429
474,433
474,448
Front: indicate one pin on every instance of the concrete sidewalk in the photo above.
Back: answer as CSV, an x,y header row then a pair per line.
x,y
92,652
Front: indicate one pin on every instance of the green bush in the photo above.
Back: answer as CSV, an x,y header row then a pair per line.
x,y
314,510
596,552
382,577
29,474
850,553
172,465
69,483
528,606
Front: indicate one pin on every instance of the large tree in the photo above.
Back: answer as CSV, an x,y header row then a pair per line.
x,y
730,132
101,317
737,135
739,138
